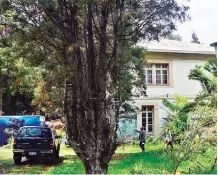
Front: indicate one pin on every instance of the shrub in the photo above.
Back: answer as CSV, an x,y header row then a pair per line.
x,y
134,142
156,140
149,139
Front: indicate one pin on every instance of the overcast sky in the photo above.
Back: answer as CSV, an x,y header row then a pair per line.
x,y
203,22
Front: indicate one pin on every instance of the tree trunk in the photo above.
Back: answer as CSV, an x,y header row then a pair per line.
x,y
90,117
90,127
1,94
93,143
96,167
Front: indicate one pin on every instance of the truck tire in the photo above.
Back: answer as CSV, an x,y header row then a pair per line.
x,y
57,152
54,159
17,160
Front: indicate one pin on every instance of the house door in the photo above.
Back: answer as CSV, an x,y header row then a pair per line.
x,y
147,118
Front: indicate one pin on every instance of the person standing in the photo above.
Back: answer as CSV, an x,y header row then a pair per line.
x,y
142,136
169,140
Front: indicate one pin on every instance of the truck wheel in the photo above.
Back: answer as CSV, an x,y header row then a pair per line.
x,y
17,160
57,151
57,154
54,159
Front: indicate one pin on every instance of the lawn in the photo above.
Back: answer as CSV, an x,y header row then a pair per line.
x,y
127,160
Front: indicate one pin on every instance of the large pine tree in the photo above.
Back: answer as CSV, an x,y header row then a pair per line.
x,y
89,41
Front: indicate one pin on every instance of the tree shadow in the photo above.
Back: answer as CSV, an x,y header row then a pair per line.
x,y
41,161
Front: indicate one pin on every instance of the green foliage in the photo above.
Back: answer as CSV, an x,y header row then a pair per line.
x,y
211,66
135,142
191,121
18,79
149,139
177,115
129,160
156,140
132,74
74,167
61,132
206,75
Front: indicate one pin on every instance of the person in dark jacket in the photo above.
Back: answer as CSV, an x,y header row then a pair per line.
x,y
142,136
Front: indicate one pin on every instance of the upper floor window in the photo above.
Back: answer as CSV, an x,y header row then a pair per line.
x,y
157,74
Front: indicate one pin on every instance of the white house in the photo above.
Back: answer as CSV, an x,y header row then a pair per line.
x,y
168,65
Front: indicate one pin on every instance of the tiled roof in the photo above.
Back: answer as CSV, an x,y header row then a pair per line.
x,y
173,46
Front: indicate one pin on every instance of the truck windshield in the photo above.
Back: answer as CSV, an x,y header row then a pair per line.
x,y
35,132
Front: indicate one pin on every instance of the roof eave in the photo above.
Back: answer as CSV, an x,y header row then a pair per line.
x,y
182,51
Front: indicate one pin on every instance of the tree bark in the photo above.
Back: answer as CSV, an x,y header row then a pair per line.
x,y
96,167
90,118
1,95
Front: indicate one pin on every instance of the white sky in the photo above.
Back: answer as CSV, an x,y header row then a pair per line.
x,y
203,21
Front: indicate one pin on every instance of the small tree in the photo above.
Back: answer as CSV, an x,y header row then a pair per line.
x,y
195,38
177,119
199,116
193,143
174,37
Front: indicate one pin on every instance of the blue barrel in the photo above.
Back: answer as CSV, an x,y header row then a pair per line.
x,y
11,124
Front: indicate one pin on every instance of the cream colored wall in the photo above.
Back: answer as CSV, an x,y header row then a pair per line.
x,y
180,66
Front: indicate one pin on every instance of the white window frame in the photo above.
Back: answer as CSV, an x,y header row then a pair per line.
x,y
146,112
154,74
148,68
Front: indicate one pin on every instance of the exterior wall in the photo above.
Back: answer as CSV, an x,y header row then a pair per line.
x,y
180,66
179,69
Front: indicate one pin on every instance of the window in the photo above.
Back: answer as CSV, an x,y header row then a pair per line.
x,y
147,118
157,74
35,132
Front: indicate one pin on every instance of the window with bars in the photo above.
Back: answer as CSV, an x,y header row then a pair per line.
x,y
147,118
157,74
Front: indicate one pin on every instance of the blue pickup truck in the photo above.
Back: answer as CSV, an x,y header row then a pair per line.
x,y
9,125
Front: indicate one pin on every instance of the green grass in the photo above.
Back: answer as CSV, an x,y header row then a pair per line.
x,y
202,163
71,167
127,160
136,162
5,160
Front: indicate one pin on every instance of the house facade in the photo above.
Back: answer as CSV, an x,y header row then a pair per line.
x,y
168,64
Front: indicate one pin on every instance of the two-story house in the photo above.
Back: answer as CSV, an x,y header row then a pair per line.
x,y
169,63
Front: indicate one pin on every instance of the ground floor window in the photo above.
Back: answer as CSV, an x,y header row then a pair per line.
x,y
147,118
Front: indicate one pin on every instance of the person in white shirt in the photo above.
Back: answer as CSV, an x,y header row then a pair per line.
x,y
169,140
